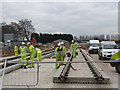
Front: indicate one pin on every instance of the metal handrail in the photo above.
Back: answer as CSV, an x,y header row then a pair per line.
x,y
62,61
3,74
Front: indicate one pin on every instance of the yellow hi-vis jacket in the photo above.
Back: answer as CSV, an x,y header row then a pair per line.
x,y
16,48
63,51
57,52
31,49
39,54
23,50
73,46
116,55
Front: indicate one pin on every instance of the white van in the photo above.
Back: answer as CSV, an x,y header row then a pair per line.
x,y
107,49
93,46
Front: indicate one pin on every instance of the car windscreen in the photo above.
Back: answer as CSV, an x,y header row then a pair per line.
x,y
94,44
110,47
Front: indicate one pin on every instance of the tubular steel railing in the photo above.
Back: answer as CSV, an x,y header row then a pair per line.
x,y
21,76
31,75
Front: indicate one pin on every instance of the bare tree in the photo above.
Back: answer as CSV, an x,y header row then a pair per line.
x,y
3,24
26,28
16,30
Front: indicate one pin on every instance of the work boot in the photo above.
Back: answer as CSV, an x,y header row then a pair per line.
x,y
31,66
25,67
57,67
74,56
21,66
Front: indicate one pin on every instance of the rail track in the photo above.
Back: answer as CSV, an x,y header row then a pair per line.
x,y
94,68
99,77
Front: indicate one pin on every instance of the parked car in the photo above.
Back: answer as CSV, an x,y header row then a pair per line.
x,y
107,50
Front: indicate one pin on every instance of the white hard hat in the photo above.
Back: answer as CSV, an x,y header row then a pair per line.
x,y
62,42
37,48
28,43
8,40
72,40
23,43
59,44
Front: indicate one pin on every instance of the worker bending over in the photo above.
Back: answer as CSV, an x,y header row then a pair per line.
x,y
23,51
58,54
73,47
32,53
16,49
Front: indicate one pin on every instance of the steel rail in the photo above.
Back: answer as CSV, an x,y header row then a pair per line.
x,y
66,69
16,57
95,71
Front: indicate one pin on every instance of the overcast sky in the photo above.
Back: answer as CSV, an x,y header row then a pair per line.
x,y
77,18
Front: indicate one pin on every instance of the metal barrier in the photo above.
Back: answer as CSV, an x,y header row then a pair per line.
x,y
2,78
11,73
21,77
